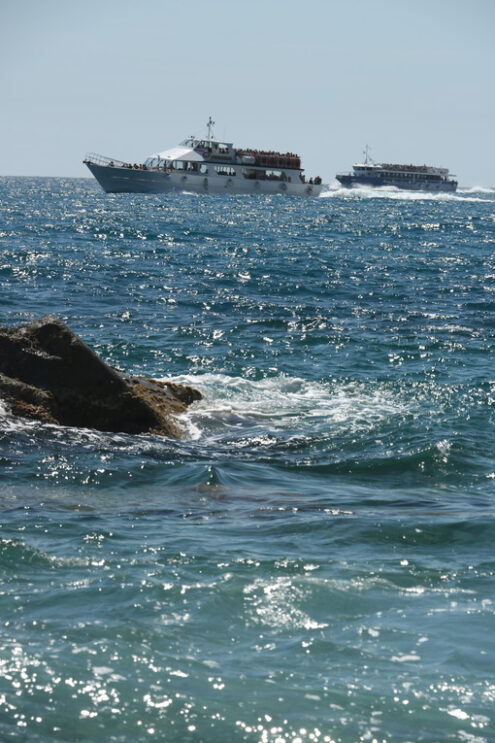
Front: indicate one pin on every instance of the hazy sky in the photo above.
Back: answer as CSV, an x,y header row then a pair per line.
x,y
414,79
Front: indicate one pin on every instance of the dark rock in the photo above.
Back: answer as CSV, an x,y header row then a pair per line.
x,y
49,374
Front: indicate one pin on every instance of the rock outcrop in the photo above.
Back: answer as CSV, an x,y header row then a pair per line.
x,y
49,374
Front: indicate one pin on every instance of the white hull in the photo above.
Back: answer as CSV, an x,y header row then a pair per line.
x,y
115,179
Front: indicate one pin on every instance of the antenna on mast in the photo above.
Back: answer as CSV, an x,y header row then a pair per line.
x,y
366,153
210,124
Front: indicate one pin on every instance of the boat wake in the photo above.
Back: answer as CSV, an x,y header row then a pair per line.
x,y
476,189
390,192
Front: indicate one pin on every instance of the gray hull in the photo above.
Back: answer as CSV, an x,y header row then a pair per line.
x,y
130,180
349,181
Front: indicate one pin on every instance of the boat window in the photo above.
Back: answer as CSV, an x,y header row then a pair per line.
x,y
224,170
190,166
253,174
275,175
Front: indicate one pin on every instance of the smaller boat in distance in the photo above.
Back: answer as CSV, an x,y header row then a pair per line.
x,y
409,177
206,165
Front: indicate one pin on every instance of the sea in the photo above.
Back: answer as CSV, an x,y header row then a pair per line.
x,y
314,560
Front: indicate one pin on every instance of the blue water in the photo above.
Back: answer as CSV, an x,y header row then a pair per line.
x,y
314,560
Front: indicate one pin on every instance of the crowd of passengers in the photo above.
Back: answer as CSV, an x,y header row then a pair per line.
x,y
111,164
264,153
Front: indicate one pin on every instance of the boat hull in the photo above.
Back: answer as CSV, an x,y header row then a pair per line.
x,y
132,180
353,181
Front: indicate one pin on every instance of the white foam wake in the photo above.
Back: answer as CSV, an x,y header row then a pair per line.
x,y
476,189
390,192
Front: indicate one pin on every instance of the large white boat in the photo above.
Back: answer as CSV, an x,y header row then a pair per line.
x,y
206,165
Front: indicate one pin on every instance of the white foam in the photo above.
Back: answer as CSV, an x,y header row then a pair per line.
x,y
476,189
282,403
390,192
9,423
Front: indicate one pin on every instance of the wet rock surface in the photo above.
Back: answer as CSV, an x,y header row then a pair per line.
x,y
47,373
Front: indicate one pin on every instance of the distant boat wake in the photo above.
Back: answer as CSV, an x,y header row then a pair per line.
x,y
391,192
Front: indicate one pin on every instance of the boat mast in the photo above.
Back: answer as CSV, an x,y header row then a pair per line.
x,y
210,124
366,153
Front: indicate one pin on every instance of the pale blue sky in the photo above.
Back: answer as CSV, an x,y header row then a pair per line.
x,y
413,79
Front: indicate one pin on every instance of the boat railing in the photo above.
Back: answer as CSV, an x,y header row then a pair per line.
x,y
95,159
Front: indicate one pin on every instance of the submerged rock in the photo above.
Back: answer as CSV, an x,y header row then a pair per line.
x,y
49,374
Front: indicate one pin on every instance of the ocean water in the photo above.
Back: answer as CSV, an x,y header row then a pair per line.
x,y
314,560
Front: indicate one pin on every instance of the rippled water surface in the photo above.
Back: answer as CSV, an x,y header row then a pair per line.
x,y
314,560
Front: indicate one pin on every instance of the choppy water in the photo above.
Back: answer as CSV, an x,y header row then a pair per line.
x,y
314,560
